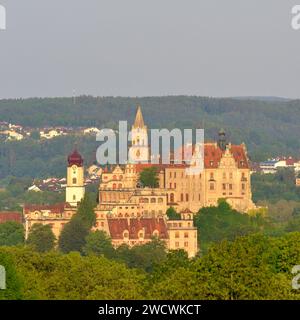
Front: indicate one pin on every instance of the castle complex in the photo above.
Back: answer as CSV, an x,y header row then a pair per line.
x,y
132,214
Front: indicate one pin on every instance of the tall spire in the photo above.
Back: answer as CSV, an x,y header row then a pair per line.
x,y
139,120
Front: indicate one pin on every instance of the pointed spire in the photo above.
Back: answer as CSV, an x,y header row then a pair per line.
x,y
139,120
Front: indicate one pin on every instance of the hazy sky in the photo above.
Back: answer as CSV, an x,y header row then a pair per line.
x,y
149,47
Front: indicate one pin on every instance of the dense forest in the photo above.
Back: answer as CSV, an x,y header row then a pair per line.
x,y
267,127
238,259
251,267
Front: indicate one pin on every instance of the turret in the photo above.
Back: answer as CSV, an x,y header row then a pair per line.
x,y
75,179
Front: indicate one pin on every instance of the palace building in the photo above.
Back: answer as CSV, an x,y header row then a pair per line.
x,y
132,214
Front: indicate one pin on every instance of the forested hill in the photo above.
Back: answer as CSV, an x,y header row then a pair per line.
x,y
267,127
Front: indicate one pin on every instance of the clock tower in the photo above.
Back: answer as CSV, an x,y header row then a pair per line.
x,y
139,150
75,179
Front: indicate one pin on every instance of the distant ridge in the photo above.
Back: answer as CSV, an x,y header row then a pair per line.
x,y
261,98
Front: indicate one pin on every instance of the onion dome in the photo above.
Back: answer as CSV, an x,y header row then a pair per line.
x,y
75,158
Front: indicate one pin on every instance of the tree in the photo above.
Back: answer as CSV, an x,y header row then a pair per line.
x,y
222,222
149,177
98,243
11,233
73,236
85,212
172,214
41,238
13,282
35,135
145,256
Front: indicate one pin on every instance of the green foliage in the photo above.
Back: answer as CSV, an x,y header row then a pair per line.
x,y
98,243
41,238
149,177
35,135
13,282
11,234
74,277
85,213
250,267
144,256
172,214
218,223
250,121
73,236
275,187
14,193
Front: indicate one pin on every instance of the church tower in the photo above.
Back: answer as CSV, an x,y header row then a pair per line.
x,y
75,179
139,150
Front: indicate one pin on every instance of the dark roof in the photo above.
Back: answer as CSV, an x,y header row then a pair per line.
x,y
75,158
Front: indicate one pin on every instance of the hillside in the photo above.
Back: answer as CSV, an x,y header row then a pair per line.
x,y
267,127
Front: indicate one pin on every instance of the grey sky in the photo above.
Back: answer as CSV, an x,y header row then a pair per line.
x,y
149,47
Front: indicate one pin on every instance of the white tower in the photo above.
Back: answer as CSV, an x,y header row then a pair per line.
x,y
139,150
75,179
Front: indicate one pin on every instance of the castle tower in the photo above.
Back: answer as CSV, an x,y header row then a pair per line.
x,y
139,150
75,179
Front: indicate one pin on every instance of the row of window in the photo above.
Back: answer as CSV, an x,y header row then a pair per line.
x,y
152,200
230,175
212,186
141,234
177,244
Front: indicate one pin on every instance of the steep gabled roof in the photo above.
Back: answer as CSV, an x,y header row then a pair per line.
x,y
139,120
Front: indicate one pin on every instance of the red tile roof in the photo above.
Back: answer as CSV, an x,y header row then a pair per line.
x,y
6,216
55,208
135,225
213,155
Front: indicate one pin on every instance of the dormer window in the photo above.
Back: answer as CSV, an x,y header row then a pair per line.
x,y
155,233
125,234
141,235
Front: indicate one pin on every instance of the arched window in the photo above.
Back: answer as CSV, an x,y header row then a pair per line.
x,y
125,234
141,234
155,233
120,186
160,200
172,198
114,186
153,200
